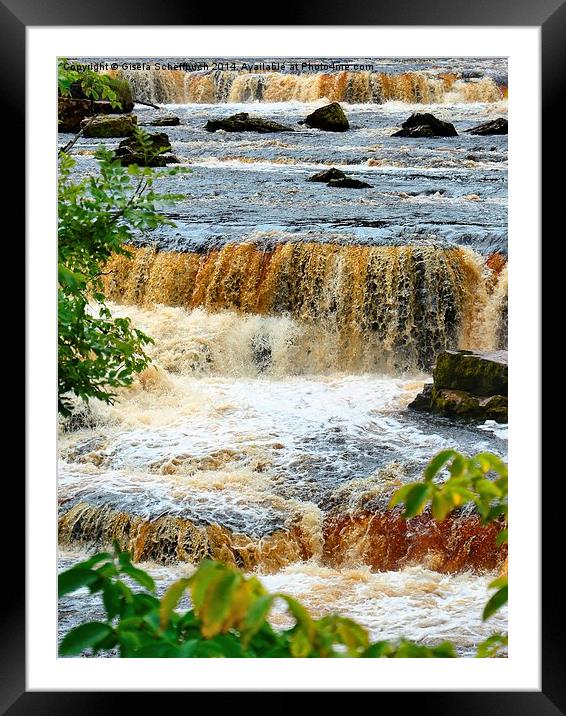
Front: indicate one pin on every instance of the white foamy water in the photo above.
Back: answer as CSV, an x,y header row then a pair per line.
x,y
413,603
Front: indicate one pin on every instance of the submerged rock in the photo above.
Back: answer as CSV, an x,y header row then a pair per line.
x,y
496,126
242,122
120,125
330,118
349,183
165,120
468,385
131,152
425,125
327,175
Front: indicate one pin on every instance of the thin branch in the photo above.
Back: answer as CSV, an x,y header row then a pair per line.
x,y
70,144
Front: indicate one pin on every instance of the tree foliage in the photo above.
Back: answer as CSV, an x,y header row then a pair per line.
x,y
99,216
93,85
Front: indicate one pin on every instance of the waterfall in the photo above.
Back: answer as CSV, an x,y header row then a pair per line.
x,y
223,86
310,307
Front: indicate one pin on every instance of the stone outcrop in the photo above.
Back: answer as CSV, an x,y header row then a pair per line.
x,y
131,152
349,183
327,175
496,126
425,125
104,127
467,385
164,120
242,122
330,118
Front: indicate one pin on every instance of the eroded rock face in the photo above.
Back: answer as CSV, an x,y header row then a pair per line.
x,y
467,385
425,125
496,126
330,118
242,122
327,175
119,125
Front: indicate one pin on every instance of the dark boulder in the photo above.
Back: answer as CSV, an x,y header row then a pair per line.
x,y
330,118
107,126
349,183
242,122
130,151
327,175
425,125
467,385
496,126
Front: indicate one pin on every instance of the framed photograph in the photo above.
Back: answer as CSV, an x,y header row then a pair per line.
x,y
296,269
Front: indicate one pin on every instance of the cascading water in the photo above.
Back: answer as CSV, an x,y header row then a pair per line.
x,y
357,87
293,324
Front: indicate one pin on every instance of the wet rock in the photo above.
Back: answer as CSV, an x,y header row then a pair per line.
x,y
166,120
242,122
330,118
349,183
327,175
425,125
496,126
131,152
120,125
482,374
467,385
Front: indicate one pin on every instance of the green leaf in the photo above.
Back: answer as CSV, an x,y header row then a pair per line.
x,y
496,602
256,616
74,579
441,506
417,499
139,576
300,644
83,637
501,538
438,462
171,598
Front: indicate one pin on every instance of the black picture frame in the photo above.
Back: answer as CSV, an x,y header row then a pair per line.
x,y
15,16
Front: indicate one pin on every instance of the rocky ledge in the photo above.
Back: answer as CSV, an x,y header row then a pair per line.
x,y
425,125
496,126
242,122
467,385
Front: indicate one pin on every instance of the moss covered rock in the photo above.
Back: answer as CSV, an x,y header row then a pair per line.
x,y
481,374
118,125
330,118
467,385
